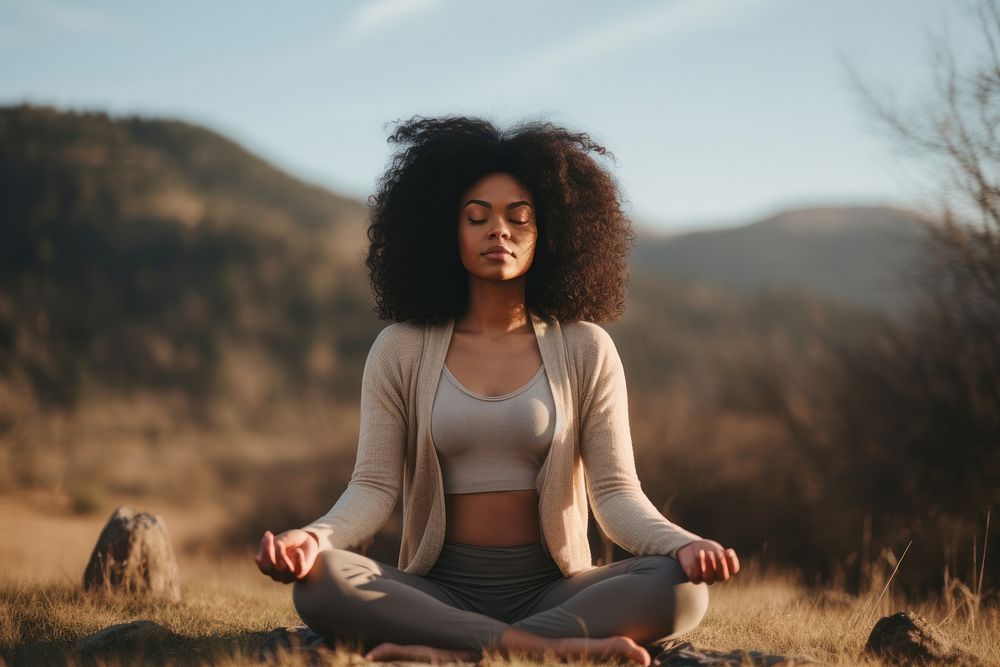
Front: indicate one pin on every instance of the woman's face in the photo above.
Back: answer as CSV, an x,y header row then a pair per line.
x,y
497,210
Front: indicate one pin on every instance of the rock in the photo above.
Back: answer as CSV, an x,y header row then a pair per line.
x,y
128,638
906,638
678,653
134,555
301,640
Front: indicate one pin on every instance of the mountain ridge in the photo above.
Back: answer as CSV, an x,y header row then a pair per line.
x,y
864,255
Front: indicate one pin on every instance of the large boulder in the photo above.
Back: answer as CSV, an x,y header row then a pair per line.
x,y
134,555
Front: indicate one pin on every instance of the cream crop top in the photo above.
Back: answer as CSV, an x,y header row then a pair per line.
x,y
492,443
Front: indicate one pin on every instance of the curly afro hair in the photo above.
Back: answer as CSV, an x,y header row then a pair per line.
x,y
580,267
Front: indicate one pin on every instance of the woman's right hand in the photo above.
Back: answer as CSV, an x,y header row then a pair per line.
x,y
287,556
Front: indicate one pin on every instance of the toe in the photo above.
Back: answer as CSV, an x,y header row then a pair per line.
x,y
636,653
380,651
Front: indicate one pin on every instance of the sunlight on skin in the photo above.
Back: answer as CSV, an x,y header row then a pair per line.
x,y
706,561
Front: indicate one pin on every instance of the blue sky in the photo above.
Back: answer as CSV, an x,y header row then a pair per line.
x,y
718,111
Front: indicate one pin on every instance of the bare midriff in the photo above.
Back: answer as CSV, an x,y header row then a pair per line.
x,y
493,519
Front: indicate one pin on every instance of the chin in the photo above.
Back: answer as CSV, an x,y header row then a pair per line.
x,y
496,276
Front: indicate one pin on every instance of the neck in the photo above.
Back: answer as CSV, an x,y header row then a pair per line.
x,y
495,308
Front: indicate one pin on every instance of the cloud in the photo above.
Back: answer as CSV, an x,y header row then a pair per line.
x,y
58,15
663,19
373,16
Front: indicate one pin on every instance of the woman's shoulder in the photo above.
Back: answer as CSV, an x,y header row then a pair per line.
x,y
401,332
590,347
399,339
586,338
394,354
594,354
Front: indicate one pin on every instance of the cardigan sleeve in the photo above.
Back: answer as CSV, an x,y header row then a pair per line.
x,y
367,502
621,508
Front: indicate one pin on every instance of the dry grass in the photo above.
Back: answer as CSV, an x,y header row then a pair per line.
x,y
228,605
776,613
224,610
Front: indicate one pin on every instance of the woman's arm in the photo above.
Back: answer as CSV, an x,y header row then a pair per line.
x,y
367,503
620,506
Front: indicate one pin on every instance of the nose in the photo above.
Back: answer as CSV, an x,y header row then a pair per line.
x,y
500,227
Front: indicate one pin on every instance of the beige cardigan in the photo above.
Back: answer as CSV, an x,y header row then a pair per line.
x,y
591,452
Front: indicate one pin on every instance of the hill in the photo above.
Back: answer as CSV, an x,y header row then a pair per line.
x,y
859,255
144,252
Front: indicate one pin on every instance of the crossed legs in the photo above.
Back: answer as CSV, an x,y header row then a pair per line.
x,y
348,596
647,598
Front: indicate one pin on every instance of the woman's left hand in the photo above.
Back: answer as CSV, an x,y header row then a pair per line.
x,y
706,561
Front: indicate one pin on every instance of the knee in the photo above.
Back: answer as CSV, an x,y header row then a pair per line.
x,y
691,605
328,583
689,602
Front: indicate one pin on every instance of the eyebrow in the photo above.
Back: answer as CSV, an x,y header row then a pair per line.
x,y
490,206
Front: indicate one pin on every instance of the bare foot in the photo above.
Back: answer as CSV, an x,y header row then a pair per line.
x,y
604,649
417,653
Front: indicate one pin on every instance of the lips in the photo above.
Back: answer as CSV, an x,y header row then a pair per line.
x,y
498,248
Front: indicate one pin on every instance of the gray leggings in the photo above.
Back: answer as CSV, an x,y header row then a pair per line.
x,y
473,593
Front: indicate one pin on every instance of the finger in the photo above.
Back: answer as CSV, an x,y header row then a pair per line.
x,y
689,566
284,556
266,566
723,566
734,562
279,562
269,547
711,573
701,563
303,570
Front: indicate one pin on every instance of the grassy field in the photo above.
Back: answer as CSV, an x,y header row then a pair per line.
x,y
228,606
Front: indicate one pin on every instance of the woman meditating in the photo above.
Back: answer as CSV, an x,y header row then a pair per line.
x,y
495,406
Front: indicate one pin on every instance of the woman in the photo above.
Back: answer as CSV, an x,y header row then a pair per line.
x,y
496,401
